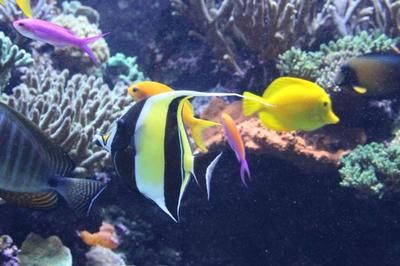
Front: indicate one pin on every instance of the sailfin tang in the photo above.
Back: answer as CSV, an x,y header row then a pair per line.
x,y
39,200
79,193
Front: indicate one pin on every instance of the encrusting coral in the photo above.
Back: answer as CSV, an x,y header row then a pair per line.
x,y
80,23
11,57
70,111
122,68
100,256
36,250
372,169
322,66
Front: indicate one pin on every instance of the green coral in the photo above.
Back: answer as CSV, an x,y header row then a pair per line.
x,y
322,66
11,56
124,68
372,169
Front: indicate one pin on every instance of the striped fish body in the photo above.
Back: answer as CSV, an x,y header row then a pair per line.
x,y
27,158
151,151
33,170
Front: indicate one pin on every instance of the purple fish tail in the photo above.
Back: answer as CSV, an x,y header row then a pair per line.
x,y
244,171
85,45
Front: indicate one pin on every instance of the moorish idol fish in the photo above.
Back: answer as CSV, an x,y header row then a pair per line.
x,y
373,74
33,169
151,151
291,104
144,89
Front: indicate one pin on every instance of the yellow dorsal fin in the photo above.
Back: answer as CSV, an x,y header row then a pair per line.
x,y
283,83
360,90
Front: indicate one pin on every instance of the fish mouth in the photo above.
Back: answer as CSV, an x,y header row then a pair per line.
x,y
332,118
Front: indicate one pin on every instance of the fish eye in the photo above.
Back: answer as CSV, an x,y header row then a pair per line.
x,y
21,24
135,89
325,104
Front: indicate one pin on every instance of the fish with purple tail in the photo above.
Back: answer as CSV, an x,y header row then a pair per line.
x,y
44,31
236,143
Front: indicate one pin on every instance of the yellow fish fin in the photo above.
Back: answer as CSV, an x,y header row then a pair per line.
x,y
251,103
25,6
197,129
360,90
271,122
283,83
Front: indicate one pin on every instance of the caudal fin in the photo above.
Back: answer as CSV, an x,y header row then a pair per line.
x,y
85,45
244,171
79,193
197,129
251,103
209,174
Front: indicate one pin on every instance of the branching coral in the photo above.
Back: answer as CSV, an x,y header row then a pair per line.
x,y
264,27
322,66
70,111
351,16
372,169
124,69
11,57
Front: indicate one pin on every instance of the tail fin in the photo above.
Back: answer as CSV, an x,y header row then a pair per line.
x,y
205,164
251,103
244,170
85,45
197,129
79,193
209,172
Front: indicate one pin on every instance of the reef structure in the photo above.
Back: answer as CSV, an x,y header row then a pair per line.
x,y
310,152
11,58
70,110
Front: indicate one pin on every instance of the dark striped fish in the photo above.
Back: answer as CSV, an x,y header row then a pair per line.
x,y
151,150
33,170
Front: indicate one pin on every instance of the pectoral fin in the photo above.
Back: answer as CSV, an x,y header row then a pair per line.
x,y
360,90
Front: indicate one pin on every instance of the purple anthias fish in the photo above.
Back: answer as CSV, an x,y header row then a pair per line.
x,y
54,34
236,143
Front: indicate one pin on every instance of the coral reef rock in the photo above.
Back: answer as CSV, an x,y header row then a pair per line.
x,y
36,251
311,152
70,111
11,57
100,256
8,252
322,66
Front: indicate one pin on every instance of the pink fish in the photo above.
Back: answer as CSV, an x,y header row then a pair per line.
x,y
54,34
236,143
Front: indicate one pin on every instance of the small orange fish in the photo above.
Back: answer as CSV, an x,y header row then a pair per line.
x,y
106,237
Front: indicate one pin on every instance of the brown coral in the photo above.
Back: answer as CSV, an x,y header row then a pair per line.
x,y
311,152
70,111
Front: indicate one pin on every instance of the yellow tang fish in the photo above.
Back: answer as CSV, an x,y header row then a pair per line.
x,y
291,104
146,89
